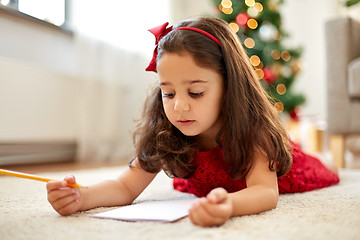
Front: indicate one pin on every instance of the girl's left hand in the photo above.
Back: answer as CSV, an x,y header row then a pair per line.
x,y
214,210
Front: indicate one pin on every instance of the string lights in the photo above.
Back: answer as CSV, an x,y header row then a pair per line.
x,y
234,26
257,23
281,89
250,3
249,43
279,106
226,7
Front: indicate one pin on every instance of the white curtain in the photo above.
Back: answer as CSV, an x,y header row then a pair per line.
x,y
113,49
113,86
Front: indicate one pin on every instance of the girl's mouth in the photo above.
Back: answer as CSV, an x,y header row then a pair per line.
x,y
186,122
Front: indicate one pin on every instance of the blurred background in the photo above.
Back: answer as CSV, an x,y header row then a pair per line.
x,y
72,77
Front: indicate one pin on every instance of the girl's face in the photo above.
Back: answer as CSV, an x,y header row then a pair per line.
x,y
192,95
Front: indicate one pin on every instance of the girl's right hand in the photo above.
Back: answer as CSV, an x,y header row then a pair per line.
x,y
64,199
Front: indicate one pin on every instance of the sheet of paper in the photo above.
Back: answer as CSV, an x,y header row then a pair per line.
x,y
159,211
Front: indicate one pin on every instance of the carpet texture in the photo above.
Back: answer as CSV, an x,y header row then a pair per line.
x,y
330,213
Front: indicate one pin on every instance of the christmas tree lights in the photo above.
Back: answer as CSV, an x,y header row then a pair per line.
x,y
258,25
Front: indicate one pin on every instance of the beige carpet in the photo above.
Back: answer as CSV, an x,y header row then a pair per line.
x,y
330,213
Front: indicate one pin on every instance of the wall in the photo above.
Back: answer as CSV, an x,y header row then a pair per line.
x,y
38,93
304,20
54,93
36,104
182,9
44,45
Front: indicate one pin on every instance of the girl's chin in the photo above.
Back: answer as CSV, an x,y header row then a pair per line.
x,y
188,133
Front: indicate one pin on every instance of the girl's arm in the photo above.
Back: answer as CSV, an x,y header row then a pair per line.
x,y
120,191
260,195
262,191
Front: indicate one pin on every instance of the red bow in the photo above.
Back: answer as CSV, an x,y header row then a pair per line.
x,y
159,32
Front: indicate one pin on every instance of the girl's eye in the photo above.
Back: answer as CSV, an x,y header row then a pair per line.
x,y
168,95
196,95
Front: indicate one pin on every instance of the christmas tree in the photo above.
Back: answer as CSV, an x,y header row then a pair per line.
x,y
258,25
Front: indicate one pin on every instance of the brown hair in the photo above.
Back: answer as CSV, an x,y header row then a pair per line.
x,y
250,122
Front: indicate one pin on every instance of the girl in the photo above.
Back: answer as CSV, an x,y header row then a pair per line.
x,y
210,125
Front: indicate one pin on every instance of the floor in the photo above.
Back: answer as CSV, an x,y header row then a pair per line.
x,y
72,166
54,167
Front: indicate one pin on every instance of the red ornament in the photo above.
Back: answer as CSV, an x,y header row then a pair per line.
x,y
242,19
269,75
294,114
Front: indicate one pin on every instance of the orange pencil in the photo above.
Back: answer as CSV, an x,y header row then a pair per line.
x,y
33,177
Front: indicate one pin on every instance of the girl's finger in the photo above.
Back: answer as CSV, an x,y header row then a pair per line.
x,y
70,179
217,195
219,210
54,185
195,215
55,195
62,202
70,208
200,216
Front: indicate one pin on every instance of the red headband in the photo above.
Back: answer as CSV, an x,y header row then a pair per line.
x,y
161,31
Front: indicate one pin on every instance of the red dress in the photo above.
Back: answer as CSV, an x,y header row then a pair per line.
x,y
307,173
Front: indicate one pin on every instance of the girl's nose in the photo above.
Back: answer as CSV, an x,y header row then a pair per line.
x,y
181,105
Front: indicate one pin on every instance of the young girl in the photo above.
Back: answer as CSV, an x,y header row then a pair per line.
x,y
210,125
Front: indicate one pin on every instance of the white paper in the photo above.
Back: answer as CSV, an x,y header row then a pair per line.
x,y
159,211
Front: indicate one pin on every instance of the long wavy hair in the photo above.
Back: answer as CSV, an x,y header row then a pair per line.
x,y
250,122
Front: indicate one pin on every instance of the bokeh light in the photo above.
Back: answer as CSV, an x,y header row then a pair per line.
x,y
259,7
249,43
234,26
279,106
228,10
281,89
252,23
252,12
277,36
275,54
259,73
260,66
250,3
226,6
285,55
295,65
226,3
255,60
242,19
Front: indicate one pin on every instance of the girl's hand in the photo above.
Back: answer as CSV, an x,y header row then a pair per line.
x,y
65,200
213,210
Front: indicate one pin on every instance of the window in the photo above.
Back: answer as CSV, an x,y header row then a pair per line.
x,y
118,22
121,23
53,11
